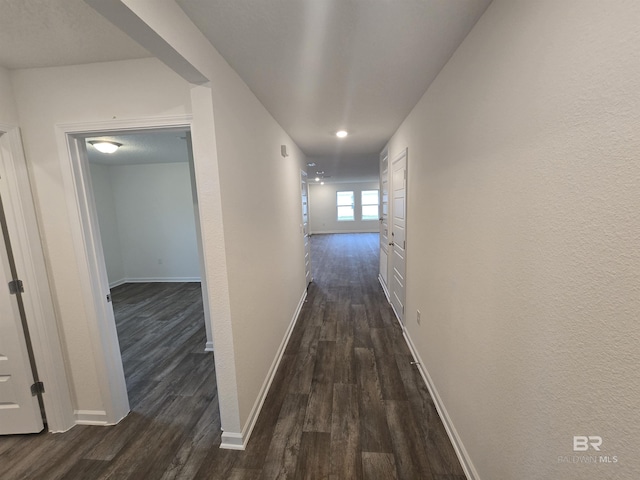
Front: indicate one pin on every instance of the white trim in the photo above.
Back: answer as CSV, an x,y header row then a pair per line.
x,y
404,154
385,289
208,347
88,248
467,465
130,125
330,232
30,262
235,441
117,283
91,417
154,280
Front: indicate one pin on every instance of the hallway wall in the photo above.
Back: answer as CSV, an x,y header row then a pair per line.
x,y
522,241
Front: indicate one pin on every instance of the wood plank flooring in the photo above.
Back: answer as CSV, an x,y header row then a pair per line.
x,y
345,402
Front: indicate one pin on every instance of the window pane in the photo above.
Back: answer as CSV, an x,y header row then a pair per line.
x,y
370,197
345,212
369,212
345,198
370,204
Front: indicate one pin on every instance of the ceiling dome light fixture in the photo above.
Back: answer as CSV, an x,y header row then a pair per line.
x,y
105,146
341,133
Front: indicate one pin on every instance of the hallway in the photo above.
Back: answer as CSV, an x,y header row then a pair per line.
x,y
345,403
349,394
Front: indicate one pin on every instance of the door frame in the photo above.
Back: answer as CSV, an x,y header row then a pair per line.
x,y
404,153
90,257
384,238
40,311
304,179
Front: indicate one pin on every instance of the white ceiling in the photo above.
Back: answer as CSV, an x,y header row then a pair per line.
x,y
317,65
46,33
142,148
324,65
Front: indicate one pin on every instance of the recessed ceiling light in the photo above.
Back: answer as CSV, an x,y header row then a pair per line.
x,y
321,183
317,179
342,133
312,164
104,146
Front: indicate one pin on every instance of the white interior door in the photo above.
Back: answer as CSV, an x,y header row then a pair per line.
x,y
19,410
398,233
384,218
305,227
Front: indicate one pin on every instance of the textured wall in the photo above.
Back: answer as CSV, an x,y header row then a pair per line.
x,y
8,113
523,258
156,220
154,234
101,182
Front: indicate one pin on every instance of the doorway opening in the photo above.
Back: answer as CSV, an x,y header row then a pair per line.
x,y
143,264
146,205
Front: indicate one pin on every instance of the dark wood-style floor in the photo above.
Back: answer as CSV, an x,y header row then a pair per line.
x,y
345,404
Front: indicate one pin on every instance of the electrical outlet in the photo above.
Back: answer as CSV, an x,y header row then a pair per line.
x,y
418,317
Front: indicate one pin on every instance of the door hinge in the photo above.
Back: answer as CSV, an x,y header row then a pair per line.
x,y
16,286
37,389
108,297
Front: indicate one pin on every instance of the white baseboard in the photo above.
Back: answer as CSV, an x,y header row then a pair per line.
x,y
154,280
208,347
235,441
384,288
467,465
327,232
90,417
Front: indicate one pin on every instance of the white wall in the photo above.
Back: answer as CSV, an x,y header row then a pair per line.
x,y
101,179
49,96
323,210
8,113
523,258
154,235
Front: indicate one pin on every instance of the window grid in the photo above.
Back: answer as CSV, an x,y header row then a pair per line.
x,y
345,206
370,202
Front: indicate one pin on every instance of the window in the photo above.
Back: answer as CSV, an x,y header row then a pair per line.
x,y
370,204
345,206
